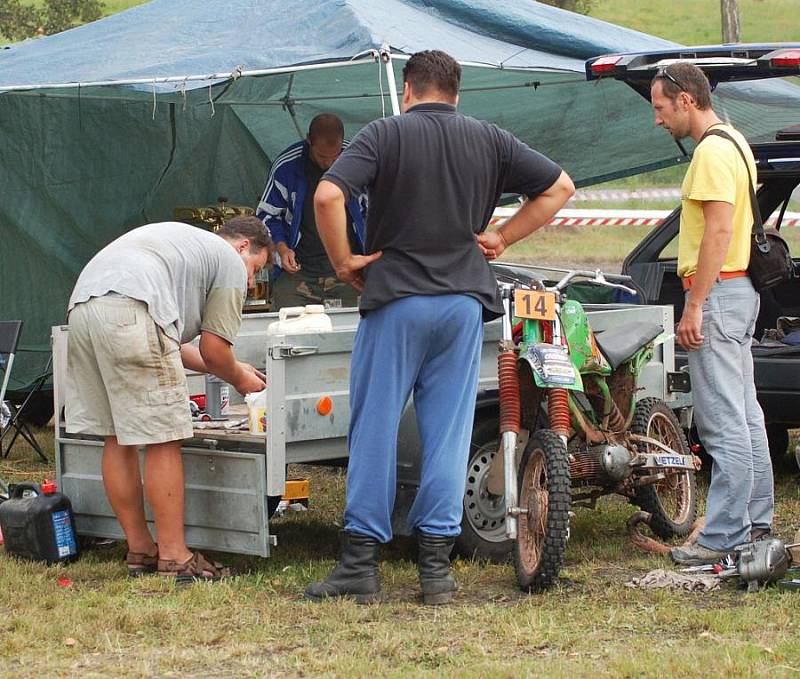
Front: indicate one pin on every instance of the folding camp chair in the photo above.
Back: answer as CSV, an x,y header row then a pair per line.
x,y
11,419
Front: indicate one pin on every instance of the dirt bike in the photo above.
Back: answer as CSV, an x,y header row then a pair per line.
x,y
571,426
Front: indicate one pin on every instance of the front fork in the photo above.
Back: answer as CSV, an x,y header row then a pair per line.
x,y
557,406
508,379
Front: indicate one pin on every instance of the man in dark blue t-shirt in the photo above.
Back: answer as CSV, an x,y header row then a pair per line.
x,y
433,179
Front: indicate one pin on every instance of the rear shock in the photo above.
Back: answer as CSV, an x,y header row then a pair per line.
x,y
558,411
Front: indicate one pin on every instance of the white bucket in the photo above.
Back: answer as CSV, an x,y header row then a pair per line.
x,y
298,319
257,411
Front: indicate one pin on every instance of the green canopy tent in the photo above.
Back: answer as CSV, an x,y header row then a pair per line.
x,y
174,103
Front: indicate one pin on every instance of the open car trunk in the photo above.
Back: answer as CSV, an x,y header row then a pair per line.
x,y
653,263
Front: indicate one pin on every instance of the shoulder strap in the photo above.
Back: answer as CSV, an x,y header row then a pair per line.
x,y
758,224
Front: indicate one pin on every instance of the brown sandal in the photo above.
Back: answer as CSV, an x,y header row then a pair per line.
x,y
140,563
196,568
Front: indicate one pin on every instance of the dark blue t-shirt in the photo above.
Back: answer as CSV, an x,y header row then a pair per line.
x,y
434,178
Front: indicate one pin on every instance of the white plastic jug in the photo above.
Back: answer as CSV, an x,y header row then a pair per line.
x,y
298,319
257,411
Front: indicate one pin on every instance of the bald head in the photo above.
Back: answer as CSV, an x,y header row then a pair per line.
x,y
325,137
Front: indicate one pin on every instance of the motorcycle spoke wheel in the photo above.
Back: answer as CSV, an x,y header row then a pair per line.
x,y
672,501
543,528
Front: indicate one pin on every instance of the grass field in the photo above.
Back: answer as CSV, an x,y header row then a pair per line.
x,y
698,22
596,246
102,624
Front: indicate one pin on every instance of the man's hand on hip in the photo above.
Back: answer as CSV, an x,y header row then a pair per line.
x,y
491,243
689,332
351,270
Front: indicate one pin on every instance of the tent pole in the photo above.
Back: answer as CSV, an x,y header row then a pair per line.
x,y
386,58
288,104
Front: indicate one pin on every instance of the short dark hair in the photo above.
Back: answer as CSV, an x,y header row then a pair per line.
x,y
247,226
433,69
326,126
685,77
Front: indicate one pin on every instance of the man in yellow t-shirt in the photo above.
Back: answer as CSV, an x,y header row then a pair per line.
x,y
719,315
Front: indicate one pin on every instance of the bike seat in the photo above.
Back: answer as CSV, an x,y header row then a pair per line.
x,y
619,344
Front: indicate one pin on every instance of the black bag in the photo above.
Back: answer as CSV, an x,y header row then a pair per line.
x,y
770,261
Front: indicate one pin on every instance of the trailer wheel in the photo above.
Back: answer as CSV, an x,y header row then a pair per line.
x,y
483,524
672,502
272,504
544,491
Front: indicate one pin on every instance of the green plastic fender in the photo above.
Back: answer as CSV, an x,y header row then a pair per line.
x,y
579,338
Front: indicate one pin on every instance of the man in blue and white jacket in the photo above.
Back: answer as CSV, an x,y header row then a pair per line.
x,y
306,275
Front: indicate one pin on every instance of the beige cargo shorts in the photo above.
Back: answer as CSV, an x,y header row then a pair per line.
x,y
124,375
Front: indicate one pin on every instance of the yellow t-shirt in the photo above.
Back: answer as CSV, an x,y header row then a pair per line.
x,y
716,173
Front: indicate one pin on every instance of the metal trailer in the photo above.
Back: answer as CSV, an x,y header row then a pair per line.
x,y
232,478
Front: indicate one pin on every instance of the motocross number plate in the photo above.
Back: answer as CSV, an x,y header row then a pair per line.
x,y
535,304
552,362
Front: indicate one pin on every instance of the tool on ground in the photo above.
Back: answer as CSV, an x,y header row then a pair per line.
x,y
792,581
724,568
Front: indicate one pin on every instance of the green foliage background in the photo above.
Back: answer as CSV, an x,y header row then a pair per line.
x,y
20,20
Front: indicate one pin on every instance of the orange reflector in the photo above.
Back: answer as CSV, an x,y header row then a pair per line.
x,y
605,64
296,490
325,406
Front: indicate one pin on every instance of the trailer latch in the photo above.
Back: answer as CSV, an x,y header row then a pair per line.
x,y
281,352
679,382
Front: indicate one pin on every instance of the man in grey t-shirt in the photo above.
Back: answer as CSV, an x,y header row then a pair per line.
x,y
134,309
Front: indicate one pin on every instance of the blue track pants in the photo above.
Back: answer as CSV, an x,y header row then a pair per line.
x,y
429,346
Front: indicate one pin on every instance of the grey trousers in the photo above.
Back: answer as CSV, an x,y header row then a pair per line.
x,y
729,419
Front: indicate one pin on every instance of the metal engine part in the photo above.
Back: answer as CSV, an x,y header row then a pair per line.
x,y
601,464
762,562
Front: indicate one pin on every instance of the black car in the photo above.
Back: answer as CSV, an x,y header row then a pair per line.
x,y
653,263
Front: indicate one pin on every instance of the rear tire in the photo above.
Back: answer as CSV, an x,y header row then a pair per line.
x,y
778,440
483,524
544,490
672,502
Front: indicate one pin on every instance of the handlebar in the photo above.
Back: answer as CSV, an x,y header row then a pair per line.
x,y
596,276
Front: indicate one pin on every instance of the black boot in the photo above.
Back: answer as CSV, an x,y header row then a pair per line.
x,y
434,568
356,574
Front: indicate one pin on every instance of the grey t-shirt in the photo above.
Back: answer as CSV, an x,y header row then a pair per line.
x,y
190,279
434,177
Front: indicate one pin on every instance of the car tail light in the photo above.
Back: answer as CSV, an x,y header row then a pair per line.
x,y
605,65
786,58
